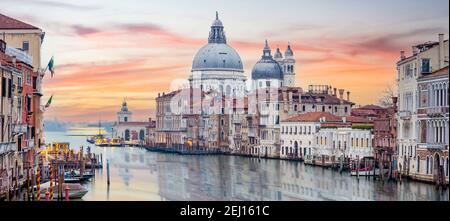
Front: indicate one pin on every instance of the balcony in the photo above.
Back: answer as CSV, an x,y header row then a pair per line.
x,y
436,146
7,147
437,111
404,115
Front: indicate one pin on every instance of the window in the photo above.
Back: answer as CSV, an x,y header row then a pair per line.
x,y
10,88
426,65
304,108
418,164
25,46
3,87
323,108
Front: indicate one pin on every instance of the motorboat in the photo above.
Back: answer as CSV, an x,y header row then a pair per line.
x,y
76,190
116,142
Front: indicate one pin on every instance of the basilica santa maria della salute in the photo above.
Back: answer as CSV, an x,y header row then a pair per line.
x,y
218,67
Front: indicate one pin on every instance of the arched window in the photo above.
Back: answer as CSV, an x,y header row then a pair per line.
x,y
367,142
127,134
428,165
357,141
446,167
431,165
352,142
418,164
142,135
362,142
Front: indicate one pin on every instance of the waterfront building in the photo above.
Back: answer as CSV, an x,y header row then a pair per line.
x,y
297,134
24,42
433,127
385,139
17,126
131,132
171,127
342,143
150,133
426,58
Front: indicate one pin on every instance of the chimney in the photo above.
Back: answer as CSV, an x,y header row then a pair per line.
x,y
348,96
335,94
441,51
14,61
341,95
402,55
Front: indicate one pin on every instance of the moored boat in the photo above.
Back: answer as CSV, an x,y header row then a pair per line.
x,y
76,190
116,142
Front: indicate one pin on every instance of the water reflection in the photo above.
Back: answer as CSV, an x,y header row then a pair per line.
x,y
137,174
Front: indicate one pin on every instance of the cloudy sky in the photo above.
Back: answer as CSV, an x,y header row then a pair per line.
x,y
106,50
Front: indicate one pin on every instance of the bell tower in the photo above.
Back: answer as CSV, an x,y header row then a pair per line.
x,y
124,115
289,67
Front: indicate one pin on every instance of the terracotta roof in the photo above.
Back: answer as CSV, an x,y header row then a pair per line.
x,y
363,112
371,107
320,98
11,23
440,72
314,117
358,120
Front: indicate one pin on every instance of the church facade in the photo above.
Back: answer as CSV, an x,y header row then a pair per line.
x,y
131,132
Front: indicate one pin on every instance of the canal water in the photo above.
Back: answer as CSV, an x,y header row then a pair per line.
x,y
138,174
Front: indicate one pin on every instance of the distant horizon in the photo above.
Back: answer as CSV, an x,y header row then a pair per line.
x,y
102,58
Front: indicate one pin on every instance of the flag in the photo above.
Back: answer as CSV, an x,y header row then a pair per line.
x,y
51,66
49,102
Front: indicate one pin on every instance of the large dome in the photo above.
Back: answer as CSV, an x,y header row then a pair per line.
x,y
215,56
267,67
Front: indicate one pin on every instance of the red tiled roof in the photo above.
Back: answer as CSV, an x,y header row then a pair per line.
x,y
314,117
11,23
371,107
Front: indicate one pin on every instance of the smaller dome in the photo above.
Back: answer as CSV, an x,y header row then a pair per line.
x,y
267,67
289,52
278,54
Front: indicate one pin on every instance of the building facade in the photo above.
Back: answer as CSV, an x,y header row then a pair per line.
x,y
426,58
131,132
433,127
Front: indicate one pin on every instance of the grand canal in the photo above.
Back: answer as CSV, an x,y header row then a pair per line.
x,y
137,174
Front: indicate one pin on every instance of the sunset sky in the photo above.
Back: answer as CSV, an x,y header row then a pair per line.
x,y
106,50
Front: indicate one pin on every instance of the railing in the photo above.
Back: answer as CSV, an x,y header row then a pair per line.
x,y
437,111
7,147
436,146
404,115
